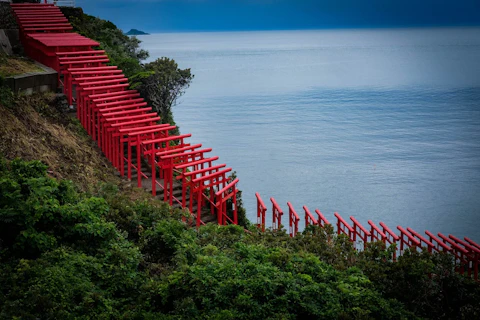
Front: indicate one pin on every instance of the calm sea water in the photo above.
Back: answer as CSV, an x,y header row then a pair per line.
x,y
378,124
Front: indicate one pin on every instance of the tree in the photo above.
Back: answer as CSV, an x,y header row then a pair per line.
x,y
161,84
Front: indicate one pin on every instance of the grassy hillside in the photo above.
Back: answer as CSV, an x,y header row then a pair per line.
x,y
12,66
38,127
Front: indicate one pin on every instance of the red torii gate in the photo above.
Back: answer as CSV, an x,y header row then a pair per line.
x,y
466,252
78,55
229,191
309,219
189,177
460,254
322,221
84,61
293,220
87,107
98,109
195,165
218,178
116,116
95,99
406,239
69,73
163,141
440,245
118,130
421,239
344,227
376,234
276,215
114,135
170,158
40,15
473,254
44,46
391,237
261,211
134,138
360,231
83,97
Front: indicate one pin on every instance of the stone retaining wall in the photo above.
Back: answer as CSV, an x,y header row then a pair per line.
x,y
40,81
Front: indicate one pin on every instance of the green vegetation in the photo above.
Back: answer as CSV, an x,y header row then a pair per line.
x,y
123,51
7,21
6,95
60,257
65,254
159,82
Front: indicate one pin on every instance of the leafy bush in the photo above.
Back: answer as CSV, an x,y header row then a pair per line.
x,y
161,83
60,257
66,254
255,282
6,95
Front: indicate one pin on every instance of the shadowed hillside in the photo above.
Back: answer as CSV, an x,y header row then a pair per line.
x,y
38,127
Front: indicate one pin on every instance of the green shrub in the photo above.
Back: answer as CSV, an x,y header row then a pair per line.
x,y
66,255
6,97
161,242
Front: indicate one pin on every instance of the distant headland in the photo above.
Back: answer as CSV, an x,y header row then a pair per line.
x,y
135,32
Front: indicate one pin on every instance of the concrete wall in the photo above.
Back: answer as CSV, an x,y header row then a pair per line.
x,y
40,81
27,83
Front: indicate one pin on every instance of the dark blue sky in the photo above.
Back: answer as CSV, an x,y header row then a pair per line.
x,y
219,15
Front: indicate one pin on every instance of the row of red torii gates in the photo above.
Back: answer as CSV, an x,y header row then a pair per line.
x,y
118,119
465,252
129,133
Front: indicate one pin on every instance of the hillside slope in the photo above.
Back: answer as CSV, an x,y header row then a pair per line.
x,y
38,127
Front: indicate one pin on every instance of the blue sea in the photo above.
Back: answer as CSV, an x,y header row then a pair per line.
x,y
380,124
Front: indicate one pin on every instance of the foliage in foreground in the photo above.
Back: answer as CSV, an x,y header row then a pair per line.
x,y
65,254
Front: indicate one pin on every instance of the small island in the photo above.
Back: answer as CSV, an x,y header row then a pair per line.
x,y
135,32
